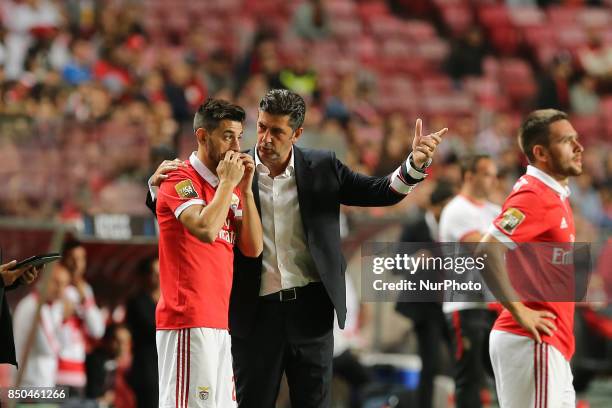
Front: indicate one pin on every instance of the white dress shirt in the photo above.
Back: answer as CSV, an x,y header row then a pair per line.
x,y
286,260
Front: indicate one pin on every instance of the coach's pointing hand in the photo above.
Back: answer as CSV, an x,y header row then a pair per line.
x,y
231,169
424,147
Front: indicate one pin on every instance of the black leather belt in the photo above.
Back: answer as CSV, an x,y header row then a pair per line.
x,y
288,295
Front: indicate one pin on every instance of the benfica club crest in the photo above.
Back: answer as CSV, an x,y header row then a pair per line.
x,y
203,393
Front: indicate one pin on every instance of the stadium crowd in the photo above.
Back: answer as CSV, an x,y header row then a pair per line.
x,y
109,88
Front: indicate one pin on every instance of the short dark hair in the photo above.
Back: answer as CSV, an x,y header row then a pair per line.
x,y
470,163
535,130
213,111
70,242
285,102
443,191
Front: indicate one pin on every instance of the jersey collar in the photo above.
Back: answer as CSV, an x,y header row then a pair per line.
x,y
563,191
203,170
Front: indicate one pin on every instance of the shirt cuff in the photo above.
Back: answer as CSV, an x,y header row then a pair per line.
x,y
152,188
501,237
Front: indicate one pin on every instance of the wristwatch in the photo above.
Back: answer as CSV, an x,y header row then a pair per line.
x,y
421,169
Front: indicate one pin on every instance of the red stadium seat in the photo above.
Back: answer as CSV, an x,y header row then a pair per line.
x,y
341,9
560,16
595,17
372,9
506,39
572,37
527,16
457,17
589,127
435,50
346,28
494,16
418,30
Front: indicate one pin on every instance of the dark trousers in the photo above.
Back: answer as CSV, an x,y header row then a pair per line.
x,y
294,337
430,335
470,341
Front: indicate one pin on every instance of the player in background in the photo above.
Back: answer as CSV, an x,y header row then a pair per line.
x,y
203,209
532,342
83,322
466,218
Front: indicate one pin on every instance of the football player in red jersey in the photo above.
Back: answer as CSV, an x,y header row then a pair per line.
x,y
204,208
532,341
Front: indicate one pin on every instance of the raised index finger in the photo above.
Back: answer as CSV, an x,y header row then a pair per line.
x,y
418,130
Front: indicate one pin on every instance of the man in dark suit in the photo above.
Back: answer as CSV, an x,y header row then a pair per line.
x,y
282,303
427,317
9,279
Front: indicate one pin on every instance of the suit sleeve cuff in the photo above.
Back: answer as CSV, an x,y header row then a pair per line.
x,y
152,188
399,184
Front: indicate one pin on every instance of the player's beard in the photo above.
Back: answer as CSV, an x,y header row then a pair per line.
x,y
568,169
215,155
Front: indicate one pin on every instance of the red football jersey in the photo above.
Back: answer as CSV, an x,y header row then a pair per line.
x,y
195,277
538,211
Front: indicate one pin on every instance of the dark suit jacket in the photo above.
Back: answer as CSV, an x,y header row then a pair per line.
x,y
323,183
7,342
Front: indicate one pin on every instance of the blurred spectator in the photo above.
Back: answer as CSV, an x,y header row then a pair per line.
x,y
184,91
346,364
310,20
78,70
596,57
301,78
467,54
583,96
496,138
29,21
11,278
85,323
39,367
554,84
140,319
261,58
427,317
587,200
396,144
105,367
219,72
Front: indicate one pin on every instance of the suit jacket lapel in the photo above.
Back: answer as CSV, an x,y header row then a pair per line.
x,y
255,186
303,180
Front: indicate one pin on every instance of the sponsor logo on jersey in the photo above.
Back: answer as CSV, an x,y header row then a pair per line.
x,y
203,393
185,189
563,223
510,221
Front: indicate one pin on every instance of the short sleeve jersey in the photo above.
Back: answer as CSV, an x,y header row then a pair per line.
x,y
461,217
538,211
195,277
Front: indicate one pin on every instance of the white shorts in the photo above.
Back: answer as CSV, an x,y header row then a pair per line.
x,y
195,368
528,374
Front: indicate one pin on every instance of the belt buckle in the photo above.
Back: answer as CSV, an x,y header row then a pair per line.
x,y
287,295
